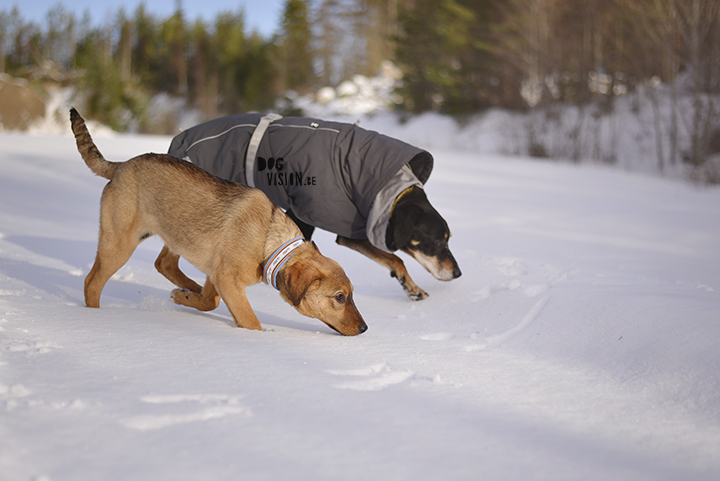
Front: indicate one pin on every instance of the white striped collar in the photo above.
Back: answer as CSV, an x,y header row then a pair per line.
x,y
279,258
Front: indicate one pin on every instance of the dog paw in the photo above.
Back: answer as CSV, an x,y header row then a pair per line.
x,y
417,294
410,288
188,298
180,296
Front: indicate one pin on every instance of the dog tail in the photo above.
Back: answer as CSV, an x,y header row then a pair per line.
x,y
89,152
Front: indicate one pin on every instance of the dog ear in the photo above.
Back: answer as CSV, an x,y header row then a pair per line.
x,y
295,280
401,225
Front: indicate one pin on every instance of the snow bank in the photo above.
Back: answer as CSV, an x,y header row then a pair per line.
x,y
630,132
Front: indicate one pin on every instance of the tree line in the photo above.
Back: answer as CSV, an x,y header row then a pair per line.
x,y
216,67
457,56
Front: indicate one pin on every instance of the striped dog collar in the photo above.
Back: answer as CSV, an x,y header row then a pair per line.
x,y
279,258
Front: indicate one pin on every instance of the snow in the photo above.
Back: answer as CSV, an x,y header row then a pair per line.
x,y
581,341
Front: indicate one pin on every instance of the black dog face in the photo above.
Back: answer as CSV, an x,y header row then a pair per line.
x,y
418,229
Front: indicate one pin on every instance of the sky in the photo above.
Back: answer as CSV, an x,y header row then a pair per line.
x,y
261,16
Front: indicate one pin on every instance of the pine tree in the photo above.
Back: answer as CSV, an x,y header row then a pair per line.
x,y
146,49
381,28
328,39
204,71
59,40
101,82
297,56
124,48
174,34
229,45
259,79
432,47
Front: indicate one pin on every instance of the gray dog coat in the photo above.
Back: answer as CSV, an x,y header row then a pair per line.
x,y
328,173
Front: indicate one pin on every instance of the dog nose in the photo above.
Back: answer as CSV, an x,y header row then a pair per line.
x,y
362,328
456,273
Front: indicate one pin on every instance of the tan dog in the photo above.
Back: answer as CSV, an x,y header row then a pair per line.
x,y
233,234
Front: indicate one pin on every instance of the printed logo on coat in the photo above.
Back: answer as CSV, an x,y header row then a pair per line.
x,y
277,175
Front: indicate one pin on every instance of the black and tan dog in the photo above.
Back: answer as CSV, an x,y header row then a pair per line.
x,y
233,234
361,185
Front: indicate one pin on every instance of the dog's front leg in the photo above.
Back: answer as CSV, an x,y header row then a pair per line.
x,y
167,265
391,261
206,300
237,302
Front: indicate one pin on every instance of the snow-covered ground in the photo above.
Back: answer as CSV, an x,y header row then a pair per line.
x,y
581,341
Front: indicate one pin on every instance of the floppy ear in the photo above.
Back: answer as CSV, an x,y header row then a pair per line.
x,y
401,224
295,280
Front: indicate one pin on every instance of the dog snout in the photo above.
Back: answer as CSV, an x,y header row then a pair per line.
x,y
351,323
356,330
453,265
356,319
456,271
447,269
359,323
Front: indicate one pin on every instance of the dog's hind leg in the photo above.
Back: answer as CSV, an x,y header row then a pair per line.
x,y
167,265
113,252
391,261
205,300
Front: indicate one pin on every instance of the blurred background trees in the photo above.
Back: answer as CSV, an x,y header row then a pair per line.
x,y
457,57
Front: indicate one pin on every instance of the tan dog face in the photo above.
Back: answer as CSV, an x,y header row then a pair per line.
x,y
318,287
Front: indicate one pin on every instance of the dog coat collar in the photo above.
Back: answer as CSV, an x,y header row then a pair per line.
x,y
402,194
279,258
384,204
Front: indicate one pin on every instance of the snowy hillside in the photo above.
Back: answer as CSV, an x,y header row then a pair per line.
x,y
581,341
629,132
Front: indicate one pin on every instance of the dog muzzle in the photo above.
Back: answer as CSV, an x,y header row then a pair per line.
x,y
279,258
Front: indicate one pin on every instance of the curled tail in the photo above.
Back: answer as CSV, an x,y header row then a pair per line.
x,y
89,152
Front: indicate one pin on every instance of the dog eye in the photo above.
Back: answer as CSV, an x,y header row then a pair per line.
x,y
340,298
